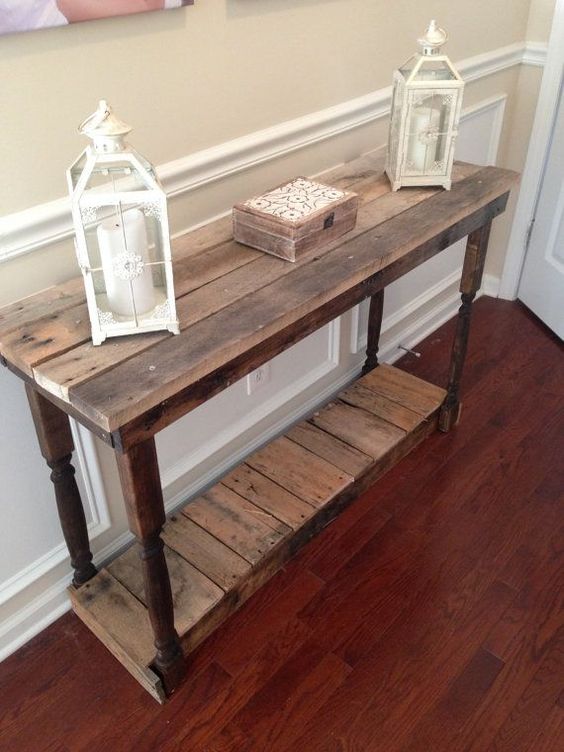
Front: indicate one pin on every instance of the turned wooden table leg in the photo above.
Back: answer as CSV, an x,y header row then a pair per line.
x,y
56,444
141,485
374,329
472,273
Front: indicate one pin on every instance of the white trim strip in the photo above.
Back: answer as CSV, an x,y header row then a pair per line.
x,y
51,222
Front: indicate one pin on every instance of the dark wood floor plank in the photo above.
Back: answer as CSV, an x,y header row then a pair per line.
x,y
549,739
440,727
272,719
529,714
452,557
244,637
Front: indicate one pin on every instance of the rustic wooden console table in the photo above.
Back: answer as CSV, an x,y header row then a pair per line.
x,y
238,308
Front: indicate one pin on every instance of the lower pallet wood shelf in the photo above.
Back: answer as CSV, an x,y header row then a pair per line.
x,y
222,546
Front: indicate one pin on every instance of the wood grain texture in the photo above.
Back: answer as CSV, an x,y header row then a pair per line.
x,y
227,542
299,471
269,496
133,387
218,562
129,636
240,525
418,552
393,383
220,282
361,395
193,594
328,447
200,257
361,429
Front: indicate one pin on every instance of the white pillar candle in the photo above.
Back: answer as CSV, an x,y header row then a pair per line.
x,y
420,154
126,297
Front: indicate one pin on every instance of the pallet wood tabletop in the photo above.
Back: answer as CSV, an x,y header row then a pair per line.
x,y
237,307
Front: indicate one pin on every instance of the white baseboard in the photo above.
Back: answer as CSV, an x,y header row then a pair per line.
x,y
51,222
490,286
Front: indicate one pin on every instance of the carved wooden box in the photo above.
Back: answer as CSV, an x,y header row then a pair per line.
x,y
295,217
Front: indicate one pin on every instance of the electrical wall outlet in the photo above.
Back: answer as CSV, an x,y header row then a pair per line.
x,y
258,378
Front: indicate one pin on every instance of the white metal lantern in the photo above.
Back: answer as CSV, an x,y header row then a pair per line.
x,y
122,237
426,108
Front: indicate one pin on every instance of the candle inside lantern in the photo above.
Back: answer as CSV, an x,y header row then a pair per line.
x,y
422,151
124,251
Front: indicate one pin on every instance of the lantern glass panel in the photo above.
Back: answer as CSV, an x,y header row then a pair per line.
x,y
77,169
126,260
395,120
407,68
435,70
428,124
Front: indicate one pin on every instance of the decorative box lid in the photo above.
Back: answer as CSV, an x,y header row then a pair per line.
x,y
296,201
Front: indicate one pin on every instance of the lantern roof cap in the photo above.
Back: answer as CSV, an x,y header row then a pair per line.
x,y
433,40
104,123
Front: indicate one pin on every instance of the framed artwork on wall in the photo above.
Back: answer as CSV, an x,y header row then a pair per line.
x,y
28,15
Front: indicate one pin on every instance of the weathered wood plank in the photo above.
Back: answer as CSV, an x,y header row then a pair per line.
x,y
397,385
193,594
40,340
54,300
299,471
85,362
361,395
45,303
121,622
246,529
132,388
359,428
199,257
328,447
269,496
213,558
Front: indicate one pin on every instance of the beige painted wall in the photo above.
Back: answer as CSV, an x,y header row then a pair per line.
x,y
540,20
199,76
202,75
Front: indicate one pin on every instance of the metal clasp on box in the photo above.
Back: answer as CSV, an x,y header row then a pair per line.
x,y
329,221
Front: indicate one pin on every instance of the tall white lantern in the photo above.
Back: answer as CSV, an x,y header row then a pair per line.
x,y
122,237
426,108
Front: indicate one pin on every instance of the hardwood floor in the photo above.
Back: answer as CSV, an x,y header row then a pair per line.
x,y
428,618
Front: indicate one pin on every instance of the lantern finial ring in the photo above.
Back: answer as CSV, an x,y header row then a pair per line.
x,y
103,123
434,39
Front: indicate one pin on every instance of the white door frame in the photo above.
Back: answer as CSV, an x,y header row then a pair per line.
x,y
536,155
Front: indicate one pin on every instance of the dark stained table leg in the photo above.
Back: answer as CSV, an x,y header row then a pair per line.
x,y
141,485
55,440
472,272
374,329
